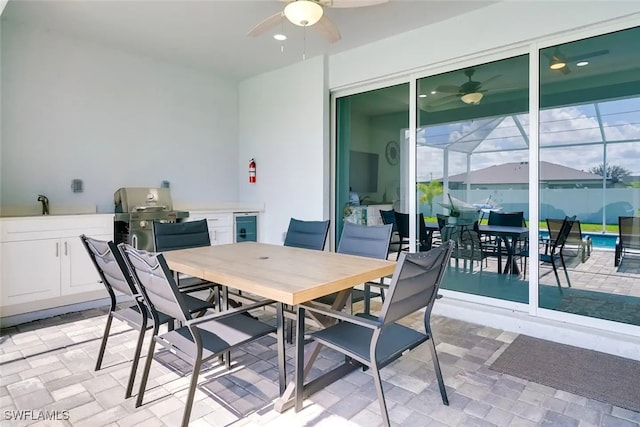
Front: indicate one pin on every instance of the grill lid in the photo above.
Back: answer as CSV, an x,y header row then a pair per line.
x,y
135,199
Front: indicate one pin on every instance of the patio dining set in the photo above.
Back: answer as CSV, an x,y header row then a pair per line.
x,y
239,281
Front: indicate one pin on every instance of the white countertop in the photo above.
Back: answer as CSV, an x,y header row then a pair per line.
x,y
35,211
220,207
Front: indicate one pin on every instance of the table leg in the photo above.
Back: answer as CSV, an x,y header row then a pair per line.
x,y
499,239
287,399
282,367
510,266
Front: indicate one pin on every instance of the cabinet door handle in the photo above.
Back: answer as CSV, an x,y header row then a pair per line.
x,y
66,251
57,249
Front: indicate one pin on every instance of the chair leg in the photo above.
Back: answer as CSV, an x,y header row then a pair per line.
x,y
436,367
147,367
566,273
383,405
289,331
192,391
555,272
103,344
136,359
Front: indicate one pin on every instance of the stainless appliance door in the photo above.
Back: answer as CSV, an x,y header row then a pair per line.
x,y
141,234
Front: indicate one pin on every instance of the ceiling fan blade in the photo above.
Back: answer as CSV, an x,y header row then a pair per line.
x,y
351,3
327,29
266,25
442,101
490,79
588,55
448,89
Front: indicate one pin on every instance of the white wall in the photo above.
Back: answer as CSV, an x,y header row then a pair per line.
x,y
74,109
284,126
479,31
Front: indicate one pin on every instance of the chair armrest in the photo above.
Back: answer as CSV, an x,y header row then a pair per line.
x,y
228,313
360,321
379,284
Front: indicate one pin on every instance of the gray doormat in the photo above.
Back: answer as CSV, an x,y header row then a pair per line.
x,y
587,373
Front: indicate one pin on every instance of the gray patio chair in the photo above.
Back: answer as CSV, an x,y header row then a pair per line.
x,y
375,342
368,241
115,277
171,236
307,234
553,250
628,237
199,339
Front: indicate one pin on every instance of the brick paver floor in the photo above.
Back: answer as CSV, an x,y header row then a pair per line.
x,y
47,365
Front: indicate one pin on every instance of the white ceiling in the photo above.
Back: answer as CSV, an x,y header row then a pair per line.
x,y
212,34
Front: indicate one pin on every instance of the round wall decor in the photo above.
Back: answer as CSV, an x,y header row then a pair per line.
x,y
392,152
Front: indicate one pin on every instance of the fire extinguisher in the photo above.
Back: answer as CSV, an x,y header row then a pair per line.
x,y
252,171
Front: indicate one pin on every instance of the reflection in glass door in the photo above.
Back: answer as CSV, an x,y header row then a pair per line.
x,y
369,156
590,169
472,167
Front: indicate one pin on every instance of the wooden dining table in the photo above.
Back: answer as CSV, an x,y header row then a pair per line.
x,y
286,275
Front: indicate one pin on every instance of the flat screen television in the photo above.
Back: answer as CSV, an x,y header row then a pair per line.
x,y
363,172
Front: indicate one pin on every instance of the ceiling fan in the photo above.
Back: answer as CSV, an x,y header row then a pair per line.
x,y
560,62
469,92
306,13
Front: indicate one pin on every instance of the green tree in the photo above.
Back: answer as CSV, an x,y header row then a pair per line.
x,y
428,192
614,172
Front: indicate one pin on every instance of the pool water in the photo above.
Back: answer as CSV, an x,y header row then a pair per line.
x,y
599,240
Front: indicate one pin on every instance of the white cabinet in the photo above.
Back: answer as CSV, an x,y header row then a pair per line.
x,y
220,225
43,258
29,270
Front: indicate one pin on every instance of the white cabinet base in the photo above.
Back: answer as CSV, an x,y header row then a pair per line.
x,y
44,264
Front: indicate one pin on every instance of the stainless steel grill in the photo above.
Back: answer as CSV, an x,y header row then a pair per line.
x,y
136,208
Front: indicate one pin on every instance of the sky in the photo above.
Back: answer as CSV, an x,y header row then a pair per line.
x,y
570,136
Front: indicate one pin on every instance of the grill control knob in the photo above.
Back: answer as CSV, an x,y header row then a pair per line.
x,y
143,224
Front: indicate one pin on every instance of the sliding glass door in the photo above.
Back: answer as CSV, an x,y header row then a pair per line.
x,y
590,168
472,182
472,159
368,154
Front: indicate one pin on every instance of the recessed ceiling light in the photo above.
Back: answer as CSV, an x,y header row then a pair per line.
x,y
422,95
433,92
280,37
582,63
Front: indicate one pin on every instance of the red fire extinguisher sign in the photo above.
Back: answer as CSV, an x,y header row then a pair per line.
x,y
252,171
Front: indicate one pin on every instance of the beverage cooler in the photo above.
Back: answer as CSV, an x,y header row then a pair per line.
x,y
246,227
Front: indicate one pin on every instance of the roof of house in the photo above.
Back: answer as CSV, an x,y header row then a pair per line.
x,y
518,173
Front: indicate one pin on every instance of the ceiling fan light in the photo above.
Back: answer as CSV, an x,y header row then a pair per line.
x,y
472,98
303,12
557,63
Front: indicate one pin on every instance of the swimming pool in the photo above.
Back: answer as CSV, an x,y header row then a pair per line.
x,y
599,240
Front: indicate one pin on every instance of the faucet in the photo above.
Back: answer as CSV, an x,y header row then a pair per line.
x,y
45,204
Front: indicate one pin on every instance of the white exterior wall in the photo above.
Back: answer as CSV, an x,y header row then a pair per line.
x,y
74,109
470,35
284,126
